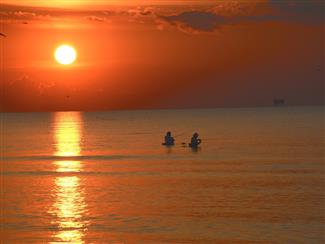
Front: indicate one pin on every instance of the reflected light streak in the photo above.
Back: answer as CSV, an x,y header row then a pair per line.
x,y
67,166
69,207
67,133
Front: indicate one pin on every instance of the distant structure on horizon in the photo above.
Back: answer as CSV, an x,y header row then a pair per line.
x,y
278,102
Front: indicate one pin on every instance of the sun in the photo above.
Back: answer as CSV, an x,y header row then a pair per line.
x,y
65,54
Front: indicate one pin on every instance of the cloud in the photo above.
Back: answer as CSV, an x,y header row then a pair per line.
x,y
189,19
212,17
195,20
13,13
141,11
97,19
233,12
22,15
311,10
235,8
25,80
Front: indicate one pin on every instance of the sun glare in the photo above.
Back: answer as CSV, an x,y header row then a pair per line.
x,y
65,54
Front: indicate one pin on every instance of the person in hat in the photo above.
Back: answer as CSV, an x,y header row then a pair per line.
x,y
169,140
195,141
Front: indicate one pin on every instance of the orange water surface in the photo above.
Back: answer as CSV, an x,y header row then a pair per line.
x,y
73,177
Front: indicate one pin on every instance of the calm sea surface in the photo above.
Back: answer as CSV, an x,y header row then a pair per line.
x,y
105,178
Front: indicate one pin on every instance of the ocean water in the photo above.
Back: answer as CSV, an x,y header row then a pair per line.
x,y
103,177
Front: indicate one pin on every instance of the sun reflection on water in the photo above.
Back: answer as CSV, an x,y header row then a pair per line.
x,y
69,207
67,133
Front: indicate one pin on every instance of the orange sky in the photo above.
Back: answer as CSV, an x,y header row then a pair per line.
x,y
81,3
161,54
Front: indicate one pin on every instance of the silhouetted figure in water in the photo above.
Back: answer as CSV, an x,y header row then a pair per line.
x,y
169,140
195,141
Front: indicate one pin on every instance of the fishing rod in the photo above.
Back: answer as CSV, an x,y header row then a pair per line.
x,y
180,134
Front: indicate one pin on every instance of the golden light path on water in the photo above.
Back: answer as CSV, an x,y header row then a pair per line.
x,y
67,133
69,206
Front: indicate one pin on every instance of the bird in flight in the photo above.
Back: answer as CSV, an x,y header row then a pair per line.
x,y
1,34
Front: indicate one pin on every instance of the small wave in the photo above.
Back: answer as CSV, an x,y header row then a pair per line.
x,y
111,157
79,173
68,158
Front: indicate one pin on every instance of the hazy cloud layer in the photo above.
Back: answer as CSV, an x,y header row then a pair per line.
x,y
11,13
235,13
186,19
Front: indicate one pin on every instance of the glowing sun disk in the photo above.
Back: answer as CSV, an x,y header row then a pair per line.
x,y
65,54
